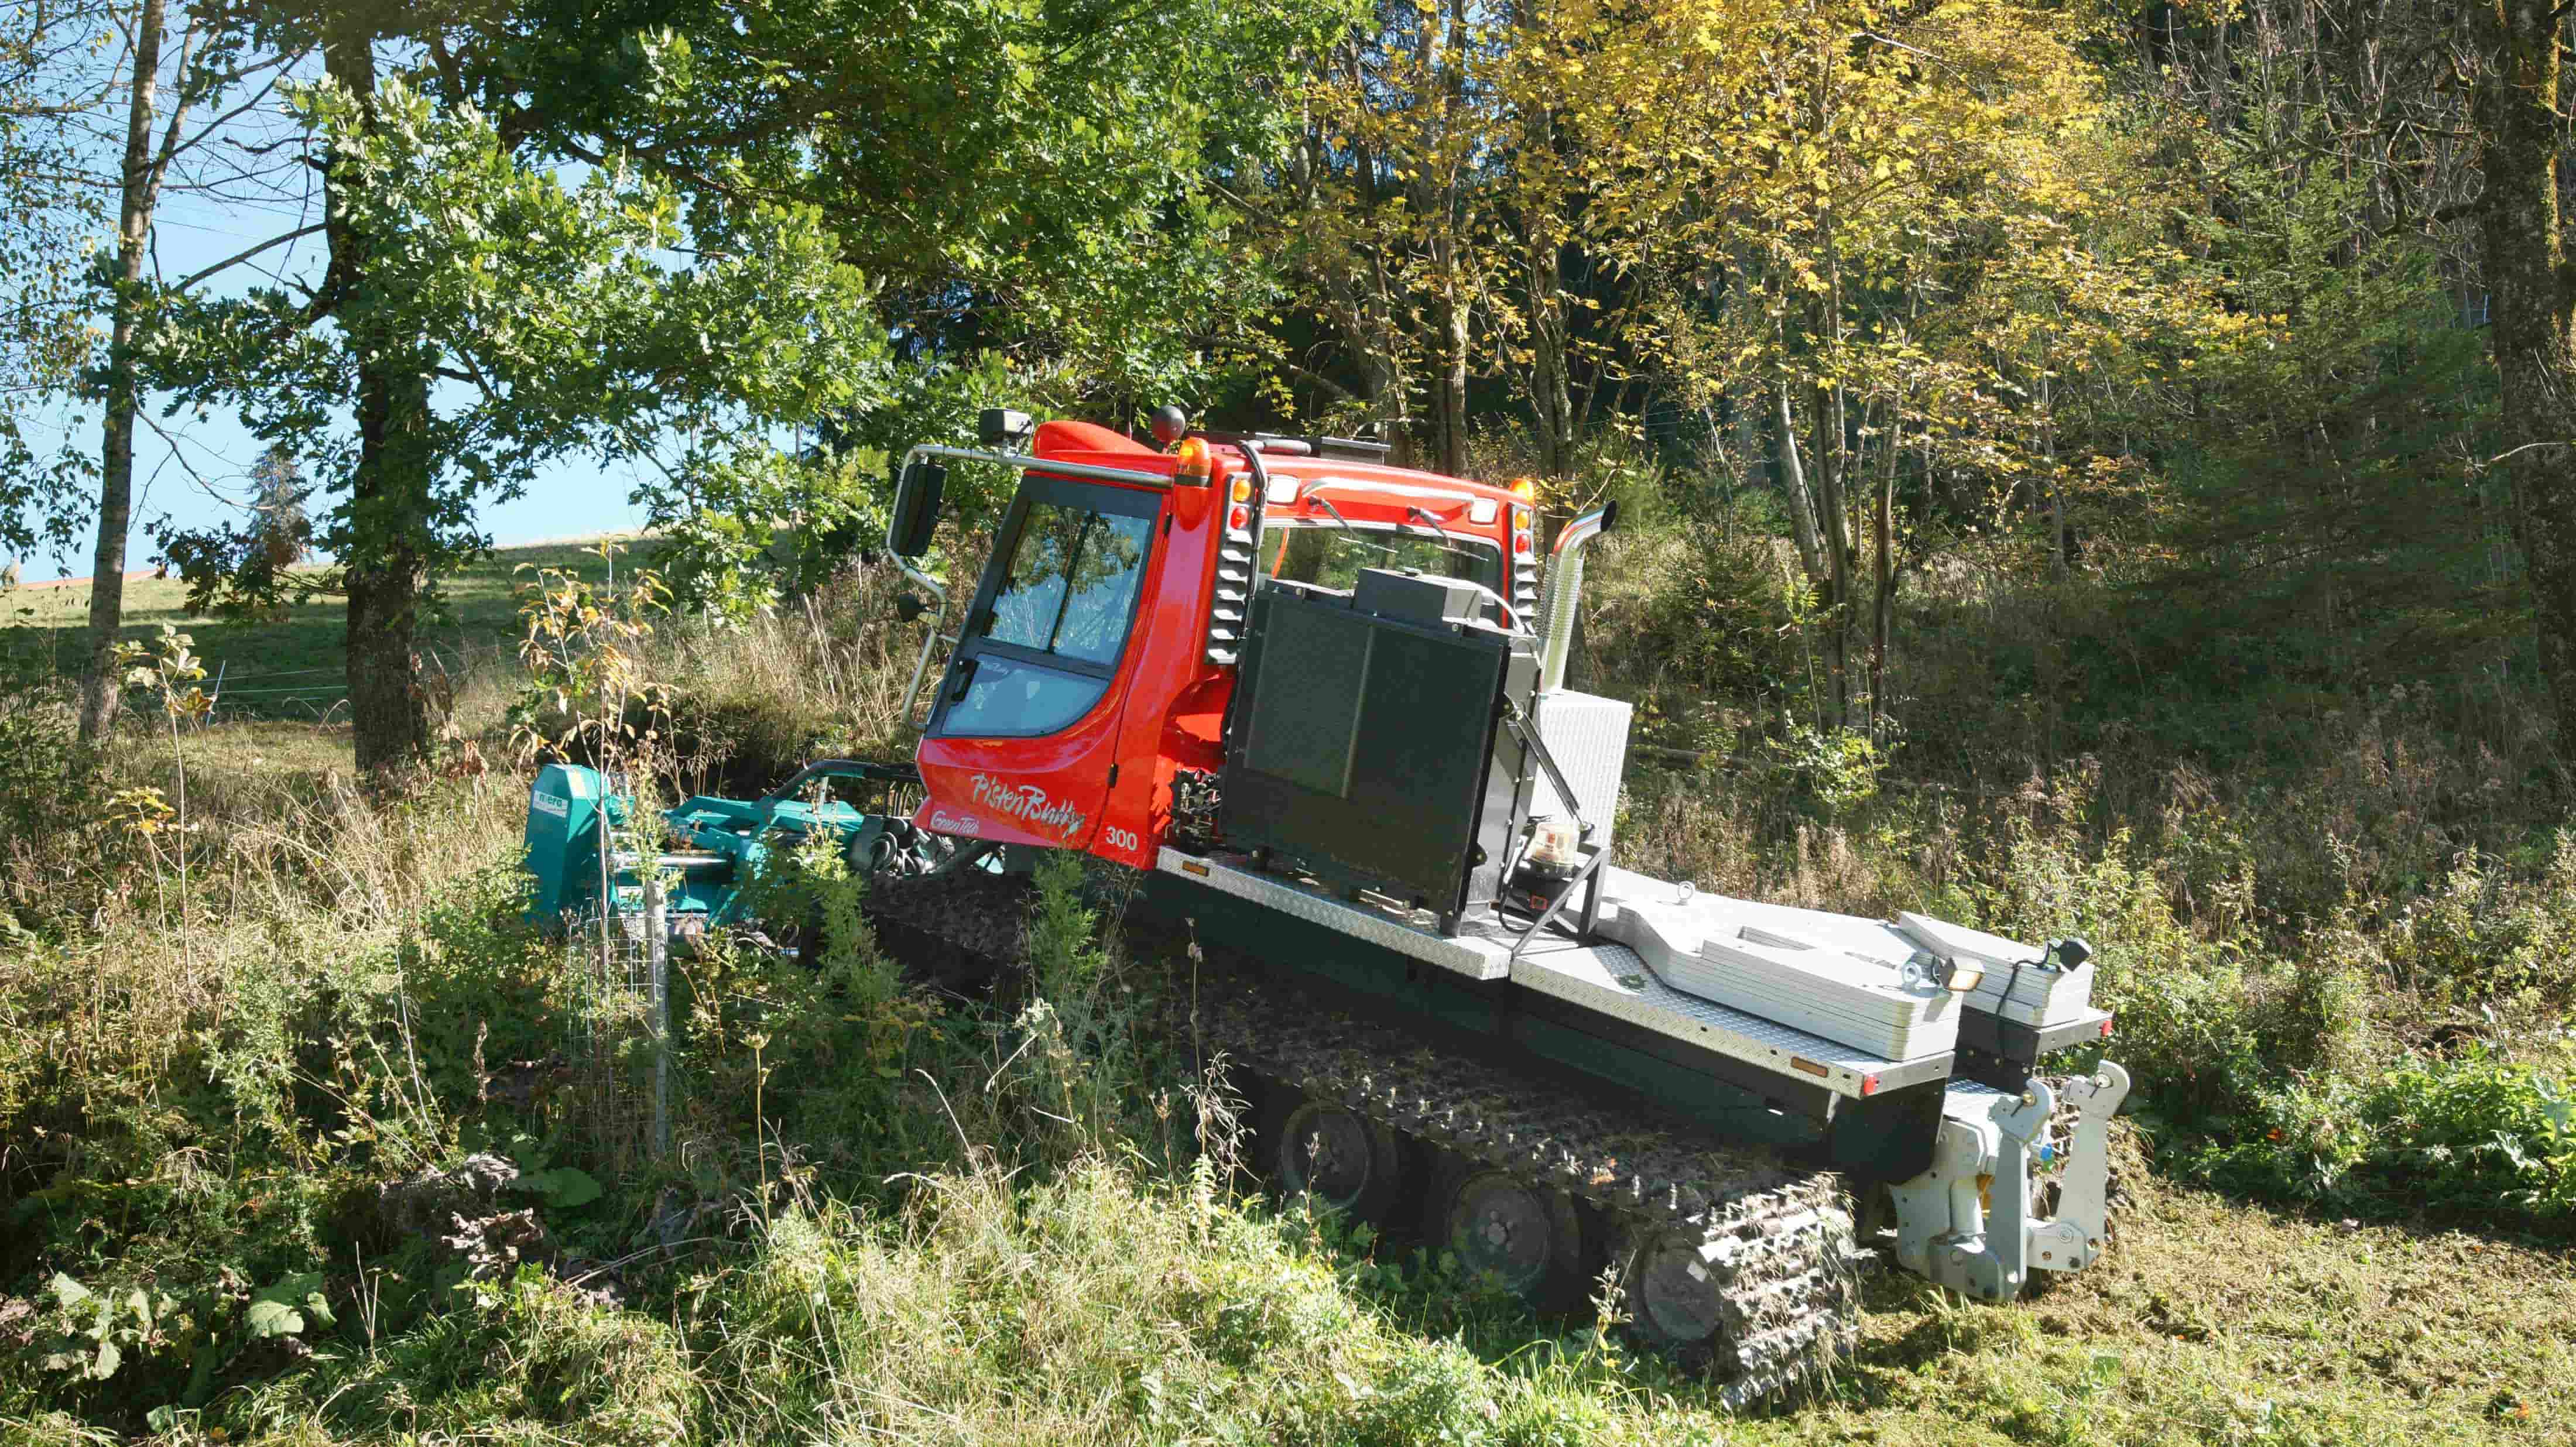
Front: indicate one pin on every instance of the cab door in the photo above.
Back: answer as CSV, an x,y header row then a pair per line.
x,y
1023,734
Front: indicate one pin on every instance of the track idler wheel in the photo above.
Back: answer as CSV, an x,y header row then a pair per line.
x,y
1334,1154
1528,1238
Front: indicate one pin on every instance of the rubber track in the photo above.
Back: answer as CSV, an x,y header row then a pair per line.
x,y
957,930
1775,1238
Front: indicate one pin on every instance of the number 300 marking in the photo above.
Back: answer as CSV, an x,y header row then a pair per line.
x,y
1121,838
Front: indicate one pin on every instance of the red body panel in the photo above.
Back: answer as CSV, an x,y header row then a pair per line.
x,y
1104,784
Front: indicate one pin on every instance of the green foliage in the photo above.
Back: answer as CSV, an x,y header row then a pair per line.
x,y
520,1360
1065,957
1700,610
2465,1134
2323,523
720,541
1835,772
287,1308
558,301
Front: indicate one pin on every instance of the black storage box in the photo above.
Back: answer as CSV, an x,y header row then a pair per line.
x,y
1365,747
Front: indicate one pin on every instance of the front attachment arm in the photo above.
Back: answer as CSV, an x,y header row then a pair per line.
x,y
1970,1221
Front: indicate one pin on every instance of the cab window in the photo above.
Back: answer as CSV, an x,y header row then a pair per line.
x,y
1305,550
1060,601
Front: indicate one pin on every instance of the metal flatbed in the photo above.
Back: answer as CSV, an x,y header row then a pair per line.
x,y
1605,978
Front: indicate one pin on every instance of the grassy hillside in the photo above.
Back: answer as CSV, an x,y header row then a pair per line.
x,y
884,1217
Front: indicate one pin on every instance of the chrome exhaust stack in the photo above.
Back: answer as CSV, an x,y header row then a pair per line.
x,y
1564,588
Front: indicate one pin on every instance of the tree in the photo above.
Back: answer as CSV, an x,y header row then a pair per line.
x,y
1003,172
2516,57
145,168
278,491
44,334
74,77
486,317
1377,209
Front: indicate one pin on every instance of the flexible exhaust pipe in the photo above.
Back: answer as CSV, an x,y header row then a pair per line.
x,y
1564,587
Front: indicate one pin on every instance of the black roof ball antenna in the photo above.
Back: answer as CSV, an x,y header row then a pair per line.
x,y
1171,424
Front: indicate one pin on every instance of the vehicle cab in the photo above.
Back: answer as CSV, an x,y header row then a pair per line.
x,y
1083,701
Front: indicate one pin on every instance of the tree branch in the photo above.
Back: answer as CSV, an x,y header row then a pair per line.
x,y
297,234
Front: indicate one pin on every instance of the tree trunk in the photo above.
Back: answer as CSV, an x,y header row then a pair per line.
x,y
390,509
2533,299
1551,384
387,705
1832,512
1449,383
1802,505
100,691
1882,537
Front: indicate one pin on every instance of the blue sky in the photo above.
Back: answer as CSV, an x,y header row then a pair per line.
x,y
198,474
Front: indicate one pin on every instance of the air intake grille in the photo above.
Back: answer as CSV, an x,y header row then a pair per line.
x,y
1238,560
1525,590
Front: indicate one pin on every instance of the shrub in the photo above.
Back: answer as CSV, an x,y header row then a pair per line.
x,y
2462,1135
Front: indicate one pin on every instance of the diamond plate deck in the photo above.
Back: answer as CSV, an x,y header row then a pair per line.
x,y
1588,737
1612,979
1483,955
1608,978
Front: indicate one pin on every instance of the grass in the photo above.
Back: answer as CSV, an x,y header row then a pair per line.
x,y
890,1220
295,667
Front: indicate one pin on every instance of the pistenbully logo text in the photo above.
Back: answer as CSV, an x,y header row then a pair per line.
x,y
1028,804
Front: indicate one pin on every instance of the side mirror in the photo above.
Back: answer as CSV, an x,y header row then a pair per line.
x,y
907,607
916,508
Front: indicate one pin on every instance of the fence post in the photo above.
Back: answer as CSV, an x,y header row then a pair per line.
x,y
657,952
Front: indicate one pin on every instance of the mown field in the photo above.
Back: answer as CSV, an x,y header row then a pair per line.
x,y
881,1218
295,667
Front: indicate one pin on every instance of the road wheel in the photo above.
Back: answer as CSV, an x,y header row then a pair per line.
x,y
1673,1299
1529,1238
1335,1155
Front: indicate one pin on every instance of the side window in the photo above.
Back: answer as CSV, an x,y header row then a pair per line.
x,y
1012,698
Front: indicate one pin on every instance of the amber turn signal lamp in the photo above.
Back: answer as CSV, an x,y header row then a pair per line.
x,y
1192,466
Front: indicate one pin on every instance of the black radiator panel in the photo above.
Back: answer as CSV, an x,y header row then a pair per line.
x,y
1364,747
1306,729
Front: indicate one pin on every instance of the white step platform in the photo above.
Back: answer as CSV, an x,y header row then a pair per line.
x,y
2017,986
1854,981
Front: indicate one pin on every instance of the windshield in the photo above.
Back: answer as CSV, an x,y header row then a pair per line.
x,y
1071,585
1041,653
1323,552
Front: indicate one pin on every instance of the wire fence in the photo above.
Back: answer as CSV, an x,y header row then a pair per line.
x,y
241,691
619,958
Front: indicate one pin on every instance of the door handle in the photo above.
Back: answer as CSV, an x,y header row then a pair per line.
x,y
965,678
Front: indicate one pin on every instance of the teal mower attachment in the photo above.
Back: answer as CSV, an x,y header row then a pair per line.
x,y
717,846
